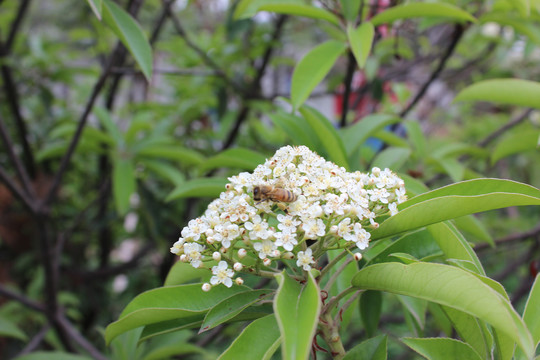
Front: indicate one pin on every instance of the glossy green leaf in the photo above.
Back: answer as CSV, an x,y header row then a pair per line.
x,y
237,158
173,326
356,135
350,8
372,349
230,307
457,200
442,348
471,330
285,7
416,136
454,245
203,187
169,303
471,225
531,315
449,286
259,340
108,124
327,135
516,143
452,167
175,350
9,329
171,152
164,170
297,309
313,67
361,40
503,91
412,10
416,309
527,27
370,310
130,34
48,355
296,128
391,139
183,273
96,6
124,183
392,158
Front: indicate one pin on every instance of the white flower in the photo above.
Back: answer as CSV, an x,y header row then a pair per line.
x,y
286,239
258,229
193,253
314,228
305,259
287,223
222,274
265,248
361,236
393,208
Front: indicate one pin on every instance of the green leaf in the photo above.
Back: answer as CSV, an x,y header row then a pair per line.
x,y
165,170
130,34
532,311
413,10
171,152
327,134
313,67
124,183
285,7
471,330
174,350
203,187
356,135
442,348
361,40
259,340
416,309
471,225
372,349
370,311
350,9
392,158
503,91
11,330
230,307
457,200
297,309
107,122
523,26
48,355
516,143
296,128
454,245
416,136
449,286
182,273
169,303
96,6
238,158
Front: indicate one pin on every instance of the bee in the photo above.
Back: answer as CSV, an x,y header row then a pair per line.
x,y
268,192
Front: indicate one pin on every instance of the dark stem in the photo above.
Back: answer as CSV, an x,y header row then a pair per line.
x,y
21,298
36,340
18,192
23,6
351,66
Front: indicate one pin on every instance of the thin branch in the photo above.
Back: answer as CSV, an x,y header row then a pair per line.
x,y
177,72
500,131
36,340
351,66
15,190
21,298
456,36
23,6
76,137
338,272
78,338
207,59
12,96
534,232
19,168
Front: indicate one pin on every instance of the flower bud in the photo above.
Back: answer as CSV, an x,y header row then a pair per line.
x,y
210,240
206,287
357,256
223,250
276,254
242,253
216,256
288,255
184,258
237,266
267,262
239,281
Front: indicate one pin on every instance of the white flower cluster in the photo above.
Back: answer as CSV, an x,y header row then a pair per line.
x,y
301,196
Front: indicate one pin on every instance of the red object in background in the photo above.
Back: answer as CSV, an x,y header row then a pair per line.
x,y
534,268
